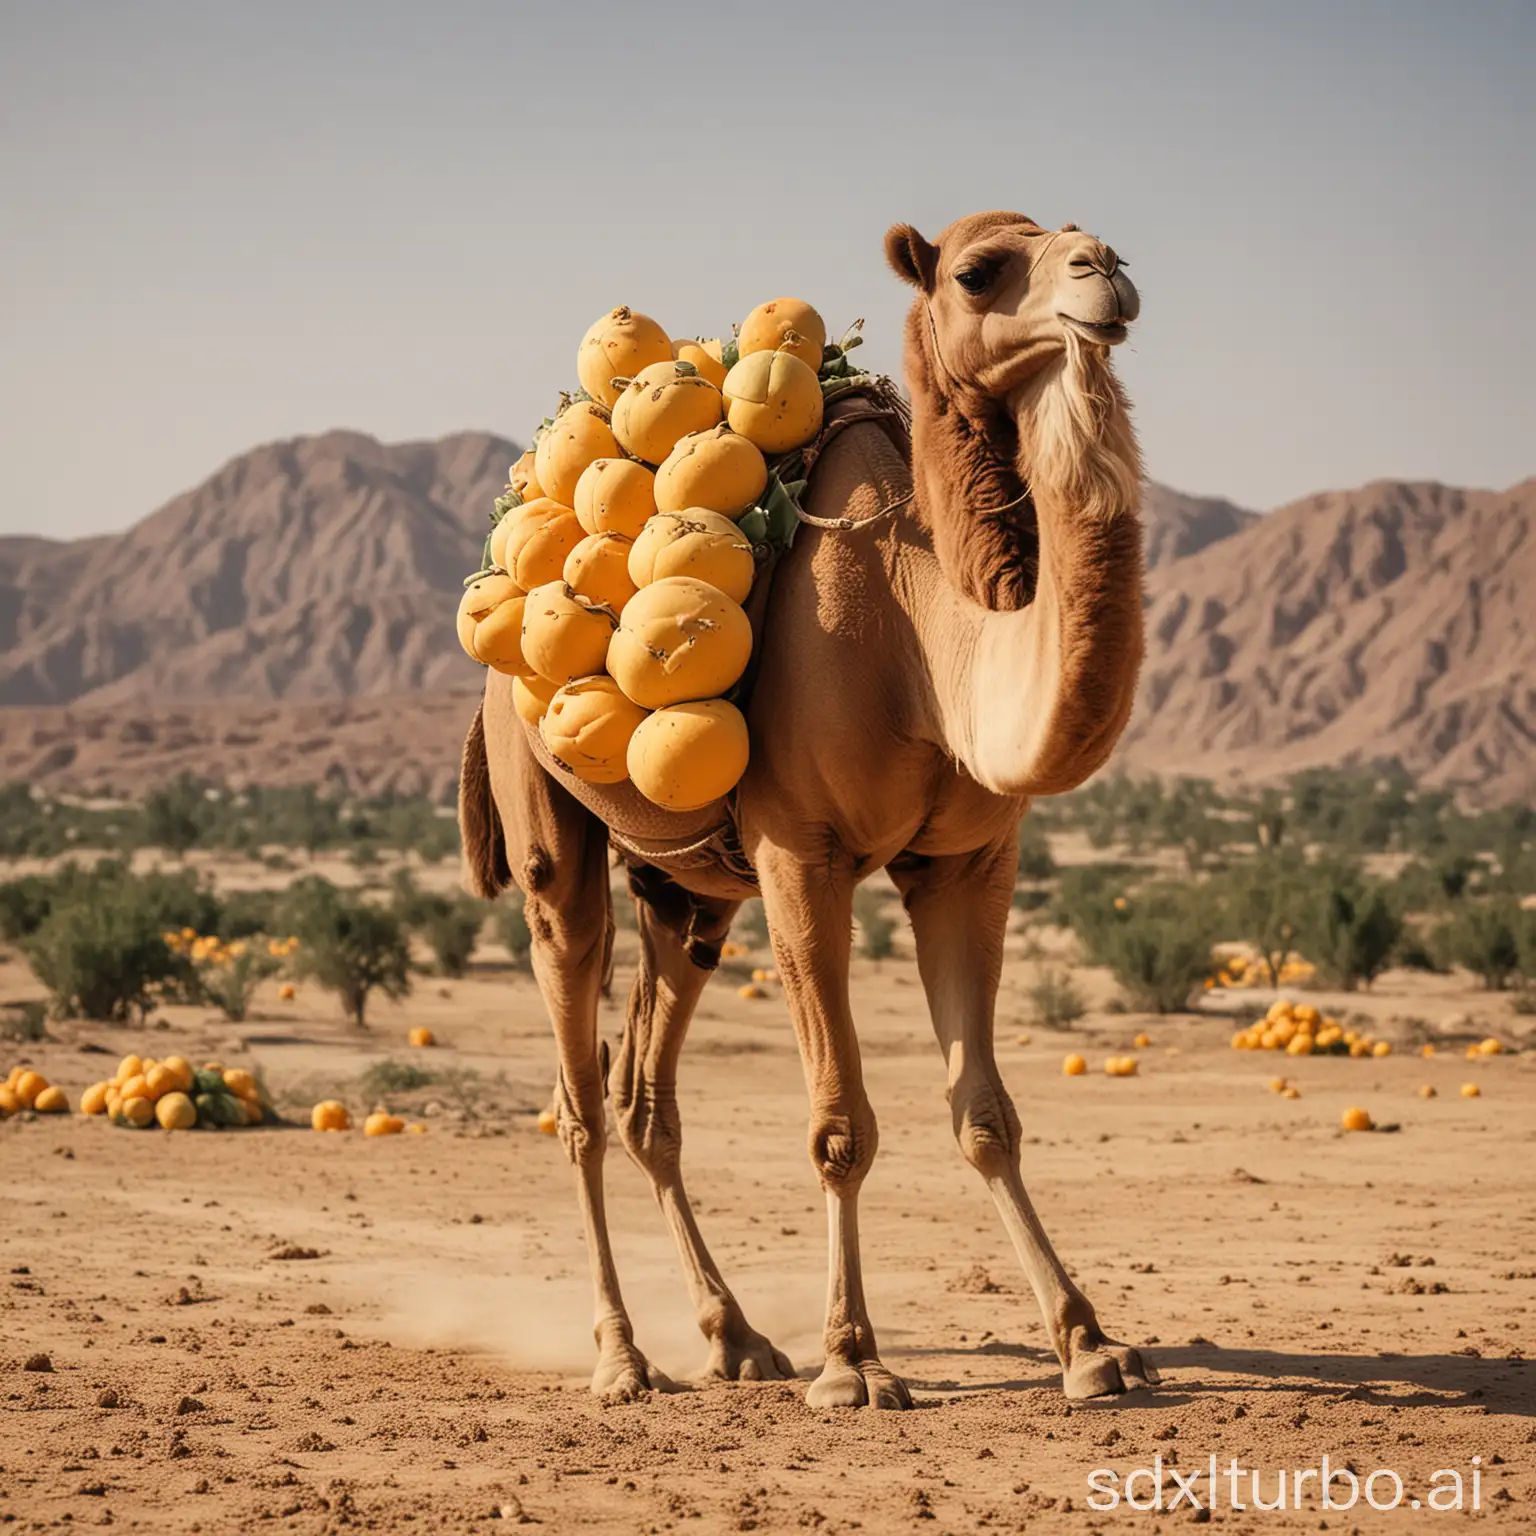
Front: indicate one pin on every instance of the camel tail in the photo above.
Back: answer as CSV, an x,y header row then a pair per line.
x,y
486,871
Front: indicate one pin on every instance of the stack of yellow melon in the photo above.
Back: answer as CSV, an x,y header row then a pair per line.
x,y
617,573
172,1094
1299,1029
26,1089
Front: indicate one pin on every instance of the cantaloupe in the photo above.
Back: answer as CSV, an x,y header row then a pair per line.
x,y
619,345
705,356
531,696
588,727
577,436
718,470
176,1112
565,636
330,1115
598,570
523,477
787,325
615,496
678,640
542,534
774,400
663,403
688,755
704,545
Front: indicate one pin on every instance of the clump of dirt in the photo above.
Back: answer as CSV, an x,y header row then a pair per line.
x,y
974,1281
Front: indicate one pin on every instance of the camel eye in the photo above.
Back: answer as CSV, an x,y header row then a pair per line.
x,y
974,279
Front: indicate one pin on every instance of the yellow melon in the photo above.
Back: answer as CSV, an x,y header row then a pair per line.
x,y
544,533
137,1111
531,696
176,1112
718,470
588,726
1074,1066
679,639
51,1101
619,346
380,1124
1356,1119
703,545
330,1115
577,436
523,477
27,1087
788,325
565,636
94,1100
181,1069
615,496
687,755
705,356
490,625
598,570
129,1066
663,403
421,1037
774,400
242,1084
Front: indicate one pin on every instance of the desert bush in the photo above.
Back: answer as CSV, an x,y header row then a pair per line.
x,y
1350,927
512,927
24,903
1483,937
1156,943
247,914
449,925
103,956
877,929
173,816
1265,901
1035,861
1425,885
1054,998
347,945
381,1078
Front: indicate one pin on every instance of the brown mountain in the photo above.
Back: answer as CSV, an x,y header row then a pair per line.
x,y
1388,621
302,569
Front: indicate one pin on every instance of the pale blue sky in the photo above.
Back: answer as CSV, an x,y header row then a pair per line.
x,y
224,223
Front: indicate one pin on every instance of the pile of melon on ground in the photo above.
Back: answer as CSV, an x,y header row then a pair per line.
x,y
25,1089
177,1097
630,535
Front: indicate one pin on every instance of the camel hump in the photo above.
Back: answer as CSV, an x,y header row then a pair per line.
x,y
486,870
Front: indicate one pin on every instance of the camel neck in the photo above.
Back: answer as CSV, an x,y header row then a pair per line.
x,y
1046,669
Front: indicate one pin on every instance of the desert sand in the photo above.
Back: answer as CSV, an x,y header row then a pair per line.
x,y
282,1330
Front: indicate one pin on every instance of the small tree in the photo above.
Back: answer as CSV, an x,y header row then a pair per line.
x,y
1350,927
173,816
348,946
512,928
102,956
877,930
1265,902
1484,938
449,926
1157,943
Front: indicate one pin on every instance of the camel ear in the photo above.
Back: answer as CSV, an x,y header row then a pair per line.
x,y
912,259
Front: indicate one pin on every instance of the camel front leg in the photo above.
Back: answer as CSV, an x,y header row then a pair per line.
x,y
810,920
959,909
680,938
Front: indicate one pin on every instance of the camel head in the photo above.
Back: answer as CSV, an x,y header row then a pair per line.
x,y
999,298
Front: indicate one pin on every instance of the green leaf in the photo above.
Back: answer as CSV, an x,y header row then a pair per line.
x,y
754,525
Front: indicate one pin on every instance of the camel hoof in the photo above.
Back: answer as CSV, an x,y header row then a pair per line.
x,y
750,1358
1106,1369
864,1384
624,1375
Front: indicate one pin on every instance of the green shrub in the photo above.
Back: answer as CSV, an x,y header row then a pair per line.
x,y
347,945
1035,860
1483,937
1054,997
1156,943
103,956
512,927
228,979
24,904
449,925
877,929
1350,928
173,816
1265,901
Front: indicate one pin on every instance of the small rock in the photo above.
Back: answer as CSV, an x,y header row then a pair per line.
x,y
107,1398
38,1363
189,1405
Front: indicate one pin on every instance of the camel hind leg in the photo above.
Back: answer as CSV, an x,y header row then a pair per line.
x,y
680,938
959,910
558,853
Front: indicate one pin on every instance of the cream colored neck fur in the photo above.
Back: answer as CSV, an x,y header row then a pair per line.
x,y
1041,694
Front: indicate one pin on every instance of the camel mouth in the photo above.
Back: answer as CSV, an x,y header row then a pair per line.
x,y
1110,335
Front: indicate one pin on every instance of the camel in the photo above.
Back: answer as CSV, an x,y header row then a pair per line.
x,y
975,644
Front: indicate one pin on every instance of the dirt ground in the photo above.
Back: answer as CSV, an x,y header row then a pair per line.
x,y
279,1330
